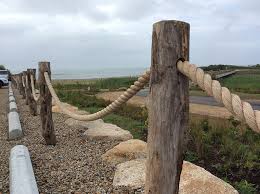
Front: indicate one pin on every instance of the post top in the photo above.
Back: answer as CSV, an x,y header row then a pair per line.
x,y
175,22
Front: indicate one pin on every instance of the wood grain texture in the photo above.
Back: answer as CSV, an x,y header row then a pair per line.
x,y
168,107
21,88
26,87
31,101
46,105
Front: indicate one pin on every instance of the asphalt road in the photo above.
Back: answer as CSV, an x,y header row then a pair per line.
x,y
207,100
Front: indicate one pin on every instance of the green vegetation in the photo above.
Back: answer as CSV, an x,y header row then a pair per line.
x,y
96,84
247,83
135,122
228,67
2,67
226,148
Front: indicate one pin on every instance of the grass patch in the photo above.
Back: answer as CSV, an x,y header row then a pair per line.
x,y
96,84
246,83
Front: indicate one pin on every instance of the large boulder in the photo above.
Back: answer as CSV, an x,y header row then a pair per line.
x,y
194,179
125,151
84,124
71,108
197,180
107,131
99,130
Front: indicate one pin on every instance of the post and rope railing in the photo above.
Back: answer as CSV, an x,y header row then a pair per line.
x,y
35,96
32,103
25,85
168,105
46,105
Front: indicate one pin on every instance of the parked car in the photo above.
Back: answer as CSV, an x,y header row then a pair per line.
x,y
4,78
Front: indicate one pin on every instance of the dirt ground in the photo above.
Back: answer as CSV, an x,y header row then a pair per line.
x,y
212,111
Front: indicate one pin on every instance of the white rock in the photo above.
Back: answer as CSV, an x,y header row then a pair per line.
x,y
11,98
15,129
22,180
107,131
12,105
84,124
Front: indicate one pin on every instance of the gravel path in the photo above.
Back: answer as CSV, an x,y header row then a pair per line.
x,y
74,165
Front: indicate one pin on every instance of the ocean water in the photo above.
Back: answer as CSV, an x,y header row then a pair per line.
x,y
96,73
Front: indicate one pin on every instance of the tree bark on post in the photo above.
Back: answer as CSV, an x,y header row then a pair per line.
x,y
168,107
21,88
31,101
26,86
46,105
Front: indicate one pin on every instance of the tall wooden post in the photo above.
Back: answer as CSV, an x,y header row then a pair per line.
x,y
168,107
26,86
46,105
31,101
13,80
21,88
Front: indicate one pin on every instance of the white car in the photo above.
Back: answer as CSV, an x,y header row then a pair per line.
x,y
4,75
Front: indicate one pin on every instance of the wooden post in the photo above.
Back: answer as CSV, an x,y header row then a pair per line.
x,y
168,107
32,103
46,105
26,87
13,80
21,88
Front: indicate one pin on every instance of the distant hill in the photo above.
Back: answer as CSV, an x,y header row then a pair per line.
x,y
228,67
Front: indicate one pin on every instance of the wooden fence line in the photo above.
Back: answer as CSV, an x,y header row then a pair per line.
x,y
168,106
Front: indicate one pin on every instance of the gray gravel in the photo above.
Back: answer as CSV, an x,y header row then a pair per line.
x,y
74,165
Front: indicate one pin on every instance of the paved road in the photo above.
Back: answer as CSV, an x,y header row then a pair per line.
x,y
207,100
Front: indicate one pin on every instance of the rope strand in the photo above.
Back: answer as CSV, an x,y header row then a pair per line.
x,y
239,108
138,85
35,97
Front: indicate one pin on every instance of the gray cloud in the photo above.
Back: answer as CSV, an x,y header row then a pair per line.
x,y
116,33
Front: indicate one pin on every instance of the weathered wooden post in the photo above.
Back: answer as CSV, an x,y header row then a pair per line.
x,y
46,105
31,101
25,78
168,107
13,80
21,88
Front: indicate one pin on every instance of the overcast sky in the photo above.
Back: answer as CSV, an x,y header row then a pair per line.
x,y
117,33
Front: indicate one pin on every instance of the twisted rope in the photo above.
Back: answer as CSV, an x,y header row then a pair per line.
x,y
129,93
35,97
240,109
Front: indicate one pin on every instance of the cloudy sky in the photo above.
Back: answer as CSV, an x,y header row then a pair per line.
x,y
85,34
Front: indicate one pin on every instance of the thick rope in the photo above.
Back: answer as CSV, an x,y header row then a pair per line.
x,y
129,93
240,109
35,97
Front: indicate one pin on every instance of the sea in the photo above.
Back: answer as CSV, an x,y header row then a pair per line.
x,y
96,73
